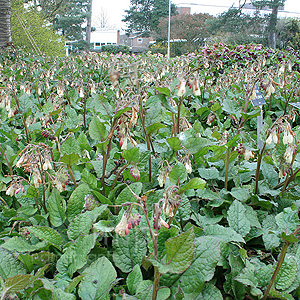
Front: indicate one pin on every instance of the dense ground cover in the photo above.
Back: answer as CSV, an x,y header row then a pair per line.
x,y
130,177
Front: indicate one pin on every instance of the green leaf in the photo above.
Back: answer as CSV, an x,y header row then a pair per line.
x,y
129,251
231,107
131,155
174,143
241,194
99,279
76,255
16,283
287,220
47,234
70,146
76,201
210,292
97,129
194,183
180,251
72,285
57,293
247,277
56,208
289,238
164,102
202,269
164,91
155,127
127,196
89,178
287,273
9,265
237,218
101,197
178,173
103,226
19,244
226,234
70,159
32,192
209,173
134,278
83,222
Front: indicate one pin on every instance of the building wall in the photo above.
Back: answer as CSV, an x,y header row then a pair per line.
x,y
184,10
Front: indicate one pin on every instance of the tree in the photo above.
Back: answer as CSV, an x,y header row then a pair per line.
x,y
143,15
70,22
5,33
289,35
273,17
31,31
239,27
190,29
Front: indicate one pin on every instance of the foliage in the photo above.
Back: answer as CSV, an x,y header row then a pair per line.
x,y
125,177
239,27
143,15
191,29
289,35
43,35
115,49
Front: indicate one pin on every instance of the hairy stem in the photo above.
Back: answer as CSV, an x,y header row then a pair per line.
x,y
72,175
227,167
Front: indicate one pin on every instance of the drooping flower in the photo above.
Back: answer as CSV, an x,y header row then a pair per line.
x,y
171,200
181,87
248,154
289,153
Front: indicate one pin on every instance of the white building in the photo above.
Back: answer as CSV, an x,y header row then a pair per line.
x,y
104,36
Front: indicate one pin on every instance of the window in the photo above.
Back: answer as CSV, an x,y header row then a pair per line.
x,y
97,44
140,40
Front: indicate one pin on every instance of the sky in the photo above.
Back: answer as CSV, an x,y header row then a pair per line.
x,y
113,10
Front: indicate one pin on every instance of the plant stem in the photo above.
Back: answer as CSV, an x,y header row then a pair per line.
x,y
72,175
9,165
117,176
84,113
156,282
178,115
22,117
279,264
227,167
258,168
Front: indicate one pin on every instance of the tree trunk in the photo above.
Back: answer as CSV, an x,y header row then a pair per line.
x,y
5,34
272,26
89,22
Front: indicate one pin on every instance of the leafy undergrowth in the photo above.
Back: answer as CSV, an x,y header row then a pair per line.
x,y
126,177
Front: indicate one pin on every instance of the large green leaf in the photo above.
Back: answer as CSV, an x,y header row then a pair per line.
x,y
134,278
127,194
76,201
210,292
231,107
287,274
9,265
99,279
97,129
226,234
16,283
56,208
192,281
129,251
83,222
70,146
194,183
179,253
76,255
57,293
131,155
178,173
237,218
19,244
287,220
47,234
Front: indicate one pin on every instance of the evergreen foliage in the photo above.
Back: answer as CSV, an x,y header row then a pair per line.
x,y
49,43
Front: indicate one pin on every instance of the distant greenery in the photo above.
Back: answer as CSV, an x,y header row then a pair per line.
x,y
43,34
115,49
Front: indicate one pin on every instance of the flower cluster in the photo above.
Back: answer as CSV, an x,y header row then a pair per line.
x,y
15,187
171,200
158,221
163,173
127,222
247,154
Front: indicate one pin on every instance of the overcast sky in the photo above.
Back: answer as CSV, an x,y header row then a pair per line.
x,y
114,9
